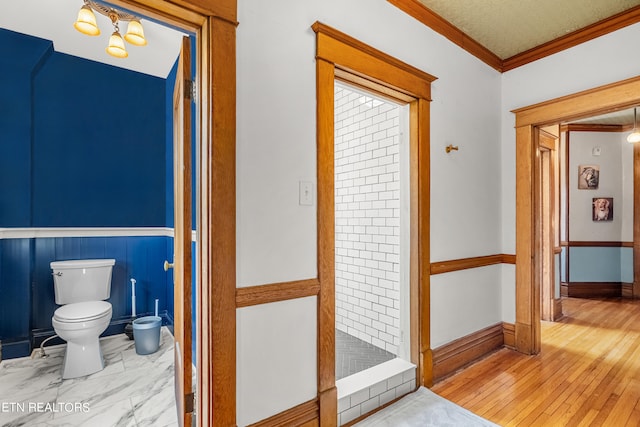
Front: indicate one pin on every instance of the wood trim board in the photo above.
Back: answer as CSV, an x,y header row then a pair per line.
x,y
509,332
441,267
274,292
434,21
450,357
306,414
599,244
591,289
636,221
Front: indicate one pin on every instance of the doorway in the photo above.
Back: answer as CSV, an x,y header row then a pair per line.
x,y
214,25
592,102
342,57
372,229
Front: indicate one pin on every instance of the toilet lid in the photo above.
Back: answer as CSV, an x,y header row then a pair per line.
x,y
82,311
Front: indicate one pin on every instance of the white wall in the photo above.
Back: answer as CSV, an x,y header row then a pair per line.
x,y
276,148
591,64
611,163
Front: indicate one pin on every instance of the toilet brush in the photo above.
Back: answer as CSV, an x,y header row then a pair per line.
x,y
128,329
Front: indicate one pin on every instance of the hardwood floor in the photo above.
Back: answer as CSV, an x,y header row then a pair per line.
x,y
587,374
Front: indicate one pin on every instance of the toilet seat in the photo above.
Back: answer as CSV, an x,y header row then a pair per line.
x,y
82,311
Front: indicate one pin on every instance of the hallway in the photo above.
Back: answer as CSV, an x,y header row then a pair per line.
x,y
588,372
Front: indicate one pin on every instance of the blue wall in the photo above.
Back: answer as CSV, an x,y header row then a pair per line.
x,y
77,152
21,58
26,284
601,264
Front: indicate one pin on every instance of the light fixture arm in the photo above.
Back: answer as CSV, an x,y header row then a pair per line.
x,y
111,12
86,24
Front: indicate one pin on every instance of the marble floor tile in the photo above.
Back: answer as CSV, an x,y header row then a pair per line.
x,y
146,409
24,410
132,390
115,414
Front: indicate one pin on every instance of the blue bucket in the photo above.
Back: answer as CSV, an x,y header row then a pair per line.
x,y
146,334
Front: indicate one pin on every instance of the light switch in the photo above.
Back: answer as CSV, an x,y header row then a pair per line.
x,y
306,193
596,151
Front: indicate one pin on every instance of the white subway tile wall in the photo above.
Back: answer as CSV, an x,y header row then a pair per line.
x,y
366,400
367,204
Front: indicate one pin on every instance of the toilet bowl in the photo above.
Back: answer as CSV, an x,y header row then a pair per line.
x,y
80,325
81,288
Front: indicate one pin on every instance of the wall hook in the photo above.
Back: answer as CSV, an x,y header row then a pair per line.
x,y
451,147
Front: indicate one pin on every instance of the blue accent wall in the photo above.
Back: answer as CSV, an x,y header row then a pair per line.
x,y
15,290
21,57
171,78
98,147
140,258
601,264
27,290
85,140
84,145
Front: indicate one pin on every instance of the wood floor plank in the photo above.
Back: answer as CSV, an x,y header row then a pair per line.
x,y
587,373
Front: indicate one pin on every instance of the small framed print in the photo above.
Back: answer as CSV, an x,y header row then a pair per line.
x,y
603,208
588,177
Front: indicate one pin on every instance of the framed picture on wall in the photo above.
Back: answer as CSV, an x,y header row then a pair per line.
x,y
588,177
603,208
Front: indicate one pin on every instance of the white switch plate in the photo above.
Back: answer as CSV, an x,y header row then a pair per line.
x,y
306,193
596,151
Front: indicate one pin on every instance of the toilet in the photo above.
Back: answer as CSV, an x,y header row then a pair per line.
x,y
80,287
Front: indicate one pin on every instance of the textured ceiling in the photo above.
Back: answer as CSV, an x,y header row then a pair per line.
x,y
509,27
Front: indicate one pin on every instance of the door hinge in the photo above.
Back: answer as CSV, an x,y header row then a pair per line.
x,y
189,403
190,89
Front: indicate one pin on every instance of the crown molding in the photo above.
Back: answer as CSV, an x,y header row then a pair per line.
x,y
437,23
440,25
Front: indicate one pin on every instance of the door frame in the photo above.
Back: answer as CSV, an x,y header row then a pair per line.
x,y
547,165
600,100
339,55
214,25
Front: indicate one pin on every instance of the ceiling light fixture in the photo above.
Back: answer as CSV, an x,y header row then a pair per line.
x,y
86,24
635,135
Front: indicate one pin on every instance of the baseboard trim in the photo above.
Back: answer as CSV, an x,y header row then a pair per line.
x,y
304,415
627,290
448,358
591,289
116,326
14,349
509,333
557,309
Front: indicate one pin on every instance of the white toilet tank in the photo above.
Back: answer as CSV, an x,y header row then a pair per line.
x,y
82,280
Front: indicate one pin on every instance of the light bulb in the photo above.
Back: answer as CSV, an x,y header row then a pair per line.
x,y
86,22
116,46
135,33
633,137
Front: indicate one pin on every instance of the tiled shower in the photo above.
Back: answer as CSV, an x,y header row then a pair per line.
x,y
367,205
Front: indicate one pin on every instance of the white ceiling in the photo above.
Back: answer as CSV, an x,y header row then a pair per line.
x,y
621,118
53,20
